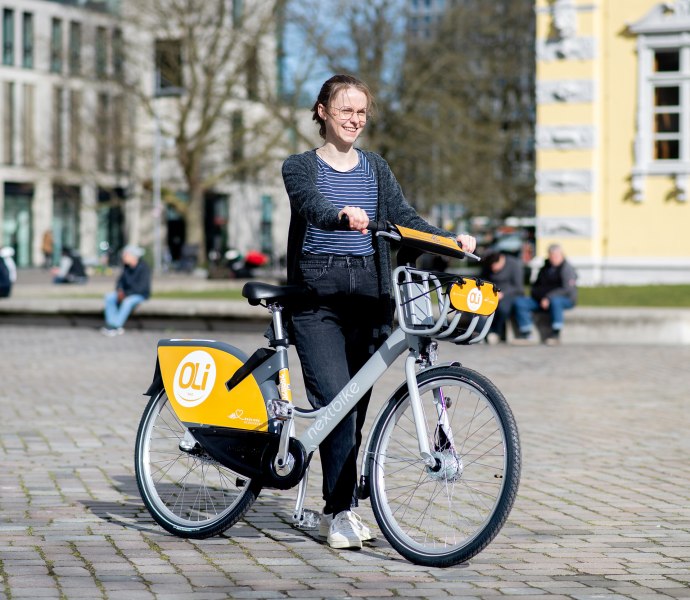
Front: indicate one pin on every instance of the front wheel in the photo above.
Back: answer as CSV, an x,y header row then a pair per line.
x,y
187,492
443,515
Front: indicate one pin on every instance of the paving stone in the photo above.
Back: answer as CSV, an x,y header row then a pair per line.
x,y
603,509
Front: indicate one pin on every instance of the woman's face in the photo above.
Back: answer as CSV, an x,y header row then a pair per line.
x,y
345,116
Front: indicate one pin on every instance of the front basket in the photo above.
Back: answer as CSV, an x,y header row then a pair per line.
x,y
444,306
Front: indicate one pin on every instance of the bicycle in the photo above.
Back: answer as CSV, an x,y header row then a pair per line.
x,y
441,463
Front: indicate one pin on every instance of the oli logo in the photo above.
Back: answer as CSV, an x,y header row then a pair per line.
x,y
194,378
474,299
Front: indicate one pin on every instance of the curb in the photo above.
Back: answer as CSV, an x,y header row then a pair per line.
x,y
667,326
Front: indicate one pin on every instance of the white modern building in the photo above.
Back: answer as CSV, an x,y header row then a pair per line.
x,y
82,155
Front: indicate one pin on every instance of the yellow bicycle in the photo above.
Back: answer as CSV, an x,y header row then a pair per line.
x,y
441,464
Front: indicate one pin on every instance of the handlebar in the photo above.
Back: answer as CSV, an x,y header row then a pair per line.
x,y
387,230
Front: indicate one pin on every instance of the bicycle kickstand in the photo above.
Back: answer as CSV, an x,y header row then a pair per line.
x,y
304,518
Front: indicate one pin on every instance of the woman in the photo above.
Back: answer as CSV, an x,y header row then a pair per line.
x,y
350,275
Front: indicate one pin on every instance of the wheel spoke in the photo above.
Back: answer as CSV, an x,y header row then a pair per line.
x,y
442,515
188,494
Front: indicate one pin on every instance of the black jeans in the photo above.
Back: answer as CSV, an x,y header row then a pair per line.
x,y
334,338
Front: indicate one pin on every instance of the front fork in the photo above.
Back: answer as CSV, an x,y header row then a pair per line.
x,y
418,411
424,354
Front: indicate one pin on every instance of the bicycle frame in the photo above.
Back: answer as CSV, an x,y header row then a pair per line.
x,y
285,458
232,430
327,418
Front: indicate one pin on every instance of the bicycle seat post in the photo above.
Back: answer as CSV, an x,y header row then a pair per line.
x,y
282,408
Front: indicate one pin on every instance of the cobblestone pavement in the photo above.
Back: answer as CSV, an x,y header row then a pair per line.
x,y
603,509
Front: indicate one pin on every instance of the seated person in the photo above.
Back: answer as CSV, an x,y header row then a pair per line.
x,y
554,291
507,273
8,271
132,288
71,268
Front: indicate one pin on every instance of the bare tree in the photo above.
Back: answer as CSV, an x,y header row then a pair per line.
x,y
214,64
478,75
455,112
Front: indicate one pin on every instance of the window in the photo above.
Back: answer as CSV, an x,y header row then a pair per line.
x,y
667,105
237,13
118,137
7,37
28,140
252,72
168,61
237,146
118,55
56,46
58,126
667,114
667,61
102,131
101,52
662,140
75,129
8,122
267,225
28,41
75,48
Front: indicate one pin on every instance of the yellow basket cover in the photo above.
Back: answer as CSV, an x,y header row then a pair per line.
x,y
472,297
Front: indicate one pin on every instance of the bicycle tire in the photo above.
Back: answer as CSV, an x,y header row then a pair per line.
x,y
188,494
446,517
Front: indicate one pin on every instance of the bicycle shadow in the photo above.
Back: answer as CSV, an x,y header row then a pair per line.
x,y
269,517
131,513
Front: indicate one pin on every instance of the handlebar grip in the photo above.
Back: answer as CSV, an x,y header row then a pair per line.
x,y
374,226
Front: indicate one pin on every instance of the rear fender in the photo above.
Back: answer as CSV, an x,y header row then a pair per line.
x,y
157,383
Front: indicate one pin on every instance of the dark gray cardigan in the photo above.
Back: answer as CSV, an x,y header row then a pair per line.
x,y
308,205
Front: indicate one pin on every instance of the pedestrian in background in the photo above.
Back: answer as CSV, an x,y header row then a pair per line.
x,y
47,249
554,291
132,288
506,272
71,268
8,271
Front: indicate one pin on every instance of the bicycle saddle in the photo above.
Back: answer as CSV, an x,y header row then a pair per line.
x,y
256,291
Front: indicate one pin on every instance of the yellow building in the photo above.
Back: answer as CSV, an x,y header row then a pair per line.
x,y
613,137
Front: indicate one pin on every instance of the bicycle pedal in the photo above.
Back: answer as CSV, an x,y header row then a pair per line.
x,y
281,409
310,519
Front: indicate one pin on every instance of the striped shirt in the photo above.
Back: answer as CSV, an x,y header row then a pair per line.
x,y
356,187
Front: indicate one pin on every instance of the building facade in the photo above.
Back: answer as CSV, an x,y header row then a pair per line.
x,y
59,64
87,151
613,137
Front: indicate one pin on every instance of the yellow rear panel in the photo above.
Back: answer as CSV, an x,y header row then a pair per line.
x,y
194,378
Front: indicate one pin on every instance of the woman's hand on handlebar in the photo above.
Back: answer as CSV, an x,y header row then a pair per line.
x,y
358,219
467,242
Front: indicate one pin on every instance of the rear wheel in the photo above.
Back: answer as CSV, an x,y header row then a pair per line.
x,y
187,492
443,515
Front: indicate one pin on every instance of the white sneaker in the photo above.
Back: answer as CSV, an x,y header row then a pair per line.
x,y
344,531
364,532
493,338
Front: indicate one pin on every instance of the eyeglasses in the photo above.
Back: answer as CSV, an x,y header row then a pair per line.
x,y
346,113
